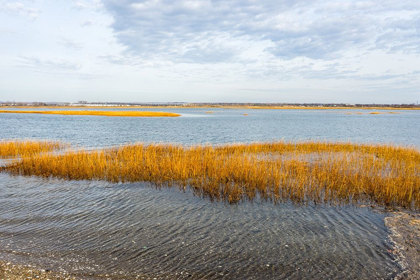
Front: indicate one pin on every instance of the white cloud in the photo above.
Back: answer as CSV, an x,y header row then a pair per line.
x,y
18,8
87,4
87,22
48,63
319,29
71,44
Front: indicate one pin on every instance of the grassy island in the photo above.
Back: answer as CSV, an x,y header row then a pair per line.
x,y
302,172
98,113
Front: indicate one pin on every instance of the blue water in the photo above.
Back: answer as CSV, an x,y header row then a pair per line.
x,y
222,126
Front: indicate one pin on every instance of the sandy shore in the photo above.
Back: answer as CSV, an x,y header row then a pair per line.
x,y
9,271
405,234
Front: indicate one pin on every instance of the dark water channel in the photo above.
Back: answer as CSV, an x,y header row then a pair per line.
x,y
130,231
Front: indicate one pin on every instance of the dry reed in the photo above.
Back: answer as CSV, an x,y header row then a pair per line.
x,y
374,113
302,172
26,148
99,113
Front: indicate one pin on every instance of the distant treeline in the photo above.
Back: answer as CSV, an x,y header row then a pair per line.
x,y
215,105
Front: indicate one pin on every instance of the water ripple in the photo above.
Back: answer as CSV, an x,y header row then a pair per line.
x,y
129,230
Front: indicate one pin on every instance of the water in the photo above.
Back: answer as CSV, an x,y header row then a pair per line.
x,y
223,126
134,231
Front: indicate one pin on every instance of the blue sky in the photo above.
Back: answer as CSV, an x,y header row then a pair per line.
x,y
210,51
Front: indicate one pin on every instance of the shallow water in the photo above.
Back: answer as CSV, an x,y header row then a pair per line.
x,y
222,126
135,230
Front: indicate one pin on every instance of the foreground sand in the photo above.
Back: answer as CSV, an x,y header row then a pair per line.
x,y
405,234
98,113
9,271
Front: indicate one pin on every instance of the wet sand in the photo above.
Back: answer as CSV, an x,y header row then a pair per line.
x,y
405,234
9,271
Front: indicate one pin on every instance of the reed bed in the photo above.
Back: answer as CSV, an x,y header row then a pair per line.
x,y
374,113
27,148
303,172
98,113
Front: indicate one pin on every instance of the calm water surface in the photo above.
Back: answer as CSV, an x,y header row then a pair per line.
x,y
134,230
222,126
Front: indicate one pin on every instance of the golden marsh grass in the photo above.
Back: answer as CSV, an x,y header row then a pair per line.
x,y
374,113
99,113
318,172
27,148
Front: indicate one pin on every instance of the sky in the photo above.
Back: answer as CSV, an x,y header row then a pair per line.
x,y
303,51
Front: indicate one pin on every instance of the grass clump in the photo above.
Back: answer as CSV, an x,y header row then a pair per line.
x,y
27,148
302,172
99,113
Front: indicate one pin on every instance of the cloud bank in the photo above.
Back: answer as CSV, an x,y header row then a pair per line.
x,y
204,31
19,8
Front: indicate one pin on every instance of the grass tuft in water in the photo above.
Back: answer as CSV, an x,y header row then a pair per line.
x,y
27,148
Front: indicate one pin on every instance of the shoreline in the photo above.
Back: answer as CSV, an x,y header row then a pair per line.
x,y
404,230
215,107
12,271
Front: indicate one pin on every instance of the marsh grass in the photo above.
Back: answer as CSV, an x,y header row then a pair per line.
x,y
318,172
98,113
27,147
373,113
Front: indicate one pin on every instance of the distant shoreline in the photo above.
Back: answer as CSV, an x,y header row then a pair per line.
x,y
195,106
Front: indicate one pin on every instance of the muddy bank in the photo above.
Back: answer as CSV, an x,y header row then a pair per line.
x,y
405,234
